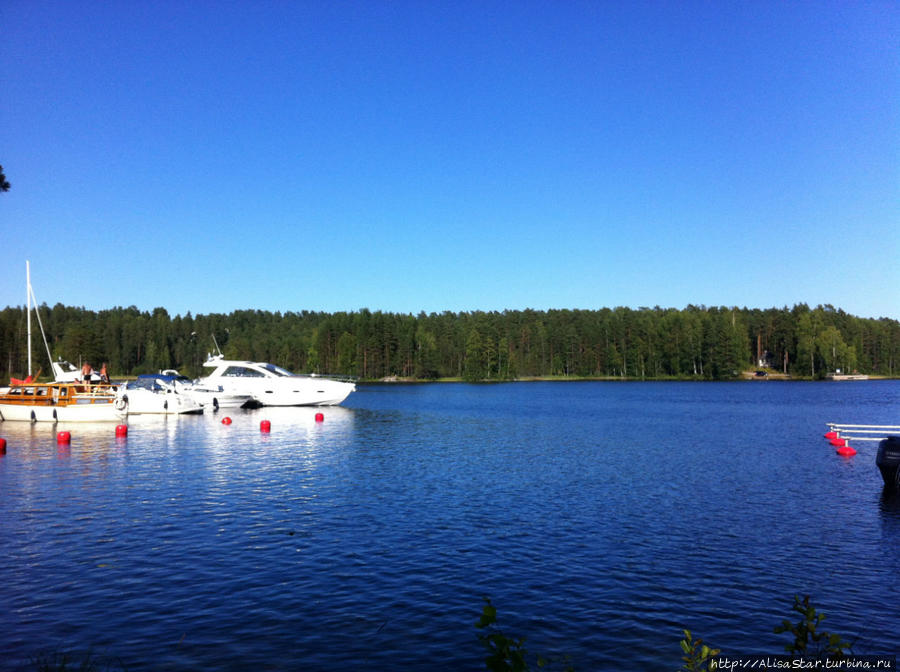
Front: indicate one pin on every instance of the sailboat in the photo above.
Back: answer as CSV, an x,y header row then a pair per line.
x,y
30,401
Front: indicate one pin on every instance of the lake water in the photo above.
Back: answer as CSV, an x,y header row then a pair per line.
x,y
600,518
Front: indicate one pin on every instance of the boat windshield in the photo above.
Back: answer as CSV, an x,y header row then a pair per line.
x,y
242,372
144,384
277,370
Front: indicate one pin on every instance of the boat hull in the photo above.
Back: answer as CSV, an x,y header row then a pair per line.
x,y
332,393
142,402
87,412
888,461
323,393
215,400
61,402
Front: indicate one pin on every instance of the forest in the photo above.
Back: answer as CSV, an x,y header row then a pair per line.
x,y
697,342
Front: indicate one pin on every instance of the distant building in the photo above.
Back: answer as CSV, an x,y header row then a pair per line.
x,y
766,360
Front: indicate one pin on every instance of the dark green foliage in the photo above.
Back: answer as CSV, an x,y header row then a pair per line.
x,y
505,654
69,662
697,655
697,343
809,641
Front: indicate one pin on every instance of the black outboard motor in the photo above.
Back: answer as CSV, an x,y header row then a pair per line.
x,y
888,461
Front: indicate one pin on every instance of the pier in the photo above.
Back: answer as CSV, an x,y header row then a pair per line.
x,y
860,432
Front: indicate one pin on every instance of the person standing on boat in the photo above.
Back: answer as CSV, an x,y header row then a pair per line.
x,y
104,376
86,373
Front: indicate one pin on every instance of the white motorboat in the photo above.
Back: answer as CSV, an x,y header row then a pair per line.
x,y
208,396
271,385
65,372
152,394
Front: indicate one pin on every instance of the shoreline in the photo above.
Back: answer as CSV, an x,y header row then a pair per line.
x,y
745,376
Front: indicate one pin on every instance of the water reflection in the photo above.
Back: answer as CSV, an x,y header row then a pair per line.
x,y
35,441
889,505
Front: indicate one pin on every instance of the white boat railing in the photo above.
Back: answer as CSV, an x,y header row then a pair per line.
x,y
861,432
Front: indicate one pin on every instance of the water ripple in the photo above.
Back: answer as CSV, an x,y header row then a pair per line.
x,y
601,519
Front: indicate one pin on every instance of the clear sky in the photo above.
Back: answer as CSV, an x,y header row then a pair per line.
x,y
415,155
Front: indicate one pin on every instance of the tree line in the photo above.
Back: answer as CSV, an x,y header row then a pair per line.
x,y
697,342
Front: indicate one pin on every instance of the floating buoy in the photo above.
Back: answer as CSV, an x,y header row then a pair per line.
x,y
63,437
320,417
121,430
226,420
265,426
2,446
846,451
838,442
831,435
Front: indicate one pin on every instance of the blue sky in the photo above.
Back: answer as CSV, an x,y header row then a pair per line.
x,y
408,156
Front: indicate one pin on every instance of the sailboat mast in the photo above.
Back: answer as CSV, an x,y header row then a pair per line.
x,y
28,291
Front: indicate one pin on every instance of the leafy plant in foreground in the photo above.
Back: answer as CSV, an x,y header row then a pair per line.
x,y
808,640
505,654
697,655
58,661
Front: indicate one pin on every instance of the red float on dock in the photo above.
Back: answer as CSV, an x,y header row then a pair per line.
x,y
831,435
320,417
265,426
838,442
846,451
121,430
63,437
2,446
226,420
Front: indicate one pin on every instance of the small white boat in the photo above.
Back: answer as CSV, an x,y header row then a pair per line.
x,y
271,385
65,372
152,394
208,396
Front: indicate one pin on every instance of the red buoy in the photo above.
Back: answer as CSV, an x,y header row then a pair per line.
x,y
2,446
846,451
121,430
838,442
226,420
320,417
265,426
63,437
831,435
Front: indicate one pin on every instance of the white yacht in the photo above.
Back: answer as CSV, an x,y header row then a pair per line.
x,y
272,385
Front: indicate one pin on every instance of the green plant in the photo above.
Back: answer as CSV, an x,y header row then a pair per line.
x,y
808,639
59,661
505,654
697,655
